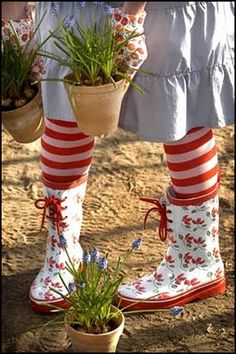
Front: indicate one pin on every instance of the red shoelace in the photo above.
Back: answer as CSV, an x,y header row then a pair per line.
x,y
161,209
55,211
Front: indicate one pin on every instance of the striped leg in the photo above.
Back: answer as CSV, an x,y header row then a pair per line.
x,y
65,160
66,153
193,163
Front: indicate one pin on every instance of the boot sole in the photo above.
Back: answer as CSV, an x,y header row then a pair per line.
x,y
46,307
198,293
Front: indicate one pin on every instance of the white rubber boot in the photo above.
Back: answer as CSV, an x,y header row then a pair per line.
x,y
63,209
192,267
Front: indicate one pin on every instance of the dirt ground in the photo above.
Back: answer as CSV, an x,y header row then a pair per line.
x,y
123,169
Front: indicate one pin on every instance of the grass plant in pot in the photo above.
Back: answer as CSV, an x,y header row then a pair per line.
x,y
91,320
22,109
98,77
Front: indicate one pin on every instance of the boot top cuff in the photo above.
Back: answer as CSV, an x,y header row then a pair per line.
x,y
64,186
191,201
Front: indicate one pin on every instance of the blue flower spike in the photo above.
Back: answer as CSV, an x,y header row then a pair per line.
x,y
136,243
94,255
71,287
102,264
176,310
86,257
63,241
69,22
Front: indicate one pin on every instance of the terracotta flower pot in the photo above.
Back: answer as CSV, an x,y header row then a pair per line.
x,y
26,123
96,108
96,343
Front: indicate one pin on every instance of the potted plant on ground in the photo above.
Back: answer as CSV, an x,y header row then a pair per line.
x,y
22,110
99,73
91,320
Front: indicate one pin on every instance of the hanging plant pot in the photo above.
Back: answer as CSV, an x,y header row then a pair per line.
x,y
96,108
96,343
26,123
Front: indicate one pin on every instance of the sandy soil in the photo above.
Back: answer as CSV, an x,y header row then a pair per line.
x,y
123,170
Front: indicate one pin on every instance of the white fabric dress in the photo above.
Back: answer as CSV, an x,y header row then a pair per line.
x,y
191,57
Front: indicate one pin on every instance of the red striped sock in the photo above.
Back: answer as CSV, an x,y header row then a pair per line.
x,y
193,163
66,153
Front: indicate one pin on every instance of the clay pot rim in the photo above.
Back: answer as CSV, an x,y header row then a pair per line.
x,y
99,334
71,76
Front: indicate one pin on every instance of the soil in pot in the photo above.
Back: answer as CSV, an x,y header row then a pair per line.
x,y
110,326
25,123
10,103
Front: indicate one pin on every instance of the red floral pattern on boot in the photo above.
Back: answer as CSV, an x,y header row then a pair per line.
x,y
192,258
68,203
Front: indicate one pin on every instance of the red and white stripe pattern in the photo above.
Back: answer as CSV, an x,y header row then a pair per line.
x,y
66,152
193,163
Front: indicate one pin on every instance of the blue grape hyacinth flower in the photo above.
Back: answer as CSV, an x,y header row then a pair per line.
x,y
63,241
136,243
69,22
71,287
94,255
102,264
176,310
86,257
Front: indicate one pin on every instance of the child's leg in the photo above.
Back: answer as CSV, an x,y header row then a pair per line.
x,y
192,267
193,163
66,156
66,153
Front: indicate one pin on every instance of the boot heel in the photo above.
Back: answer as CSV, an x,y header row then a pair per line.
x,y
213,290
